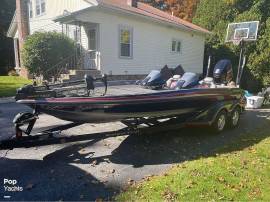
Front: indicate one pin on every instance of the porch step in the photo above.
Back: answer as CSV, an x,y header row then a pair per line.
x,y
74,75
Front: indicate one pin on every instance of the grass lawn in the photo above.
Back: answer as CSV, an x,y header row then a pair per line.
x,y
238,172
9,84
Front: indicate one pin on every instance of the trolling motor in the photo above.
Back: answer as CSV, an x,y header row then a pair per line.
x,y
89,81
60,89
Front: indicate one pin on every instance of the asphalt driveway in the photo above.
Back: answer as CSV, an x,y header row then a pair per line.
x,y
97,161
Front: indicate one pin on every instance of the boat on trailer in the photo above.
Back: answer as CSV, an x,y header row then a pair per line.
x,y
148,103
212,102
135,105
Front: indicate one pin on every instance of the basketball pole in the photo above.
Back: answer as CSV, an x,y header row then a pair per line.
x,y
240,65
208,66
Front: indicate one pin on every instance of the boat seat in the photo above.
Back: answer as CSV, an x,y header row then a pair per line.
x,y
179,70
166,73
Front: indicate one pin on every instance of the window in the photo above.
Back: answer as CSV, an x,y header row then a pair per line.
x,y
43,6
92,39
176,46
40,7
126,40
30,9
66,30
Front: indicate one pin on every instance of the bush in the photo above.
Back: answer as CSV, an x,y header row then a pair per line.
x,y
12,73
42,51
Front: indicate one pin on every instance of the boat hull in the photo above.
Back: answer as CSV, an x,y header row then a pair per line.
x,y
117,108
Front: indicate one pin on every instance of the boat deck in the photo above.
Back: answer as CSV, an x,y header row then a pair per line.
x,y
128,90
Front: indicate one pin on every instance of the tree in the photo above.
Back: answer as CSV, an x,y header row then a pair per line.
x,y
215,16
42,51
6,48
184,9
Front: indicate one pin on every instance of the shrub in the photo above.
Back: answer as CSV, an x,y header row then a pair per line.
x,y
42,51
12,73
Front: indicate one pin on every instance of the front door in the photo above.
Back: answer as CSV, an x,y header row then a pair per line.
x,y
92,55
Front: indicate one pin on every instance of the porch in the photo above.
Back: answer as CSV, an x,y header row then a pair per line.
x,y
86,36
86,59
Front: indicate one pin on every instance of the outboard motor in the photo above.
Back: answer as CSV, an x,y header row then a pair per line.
x,y
223,73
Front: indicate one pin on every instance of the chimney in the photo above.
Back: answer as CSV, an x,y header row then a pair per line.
x,y
22,20
132,3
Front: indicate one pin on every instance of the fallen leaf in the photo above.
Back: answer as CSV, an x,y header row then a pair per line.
x,y
94,181
62,141
94,163
130,181
112,171
169,195
29,186
221,179
80,177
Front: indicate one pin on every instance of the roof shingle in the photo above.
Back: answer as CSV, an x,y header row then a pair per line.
x,y
149,11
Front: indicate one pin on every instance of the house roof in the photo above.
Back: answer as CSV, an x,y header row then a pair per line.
x,y
144,10
150,11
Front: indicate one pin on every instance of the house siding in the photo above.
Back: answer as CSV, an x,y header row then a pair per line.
x,y
151,40
151,44
54,8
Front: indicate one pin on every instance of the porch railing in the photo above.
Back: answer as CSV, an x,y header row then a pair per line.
x,y
86,60
72,62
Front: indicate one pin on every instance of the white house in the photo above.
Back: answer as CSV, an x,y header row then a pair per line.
x,y
117,37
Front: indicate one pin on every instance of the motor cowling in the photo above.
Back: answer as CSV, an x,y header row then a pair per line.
x,y
223,72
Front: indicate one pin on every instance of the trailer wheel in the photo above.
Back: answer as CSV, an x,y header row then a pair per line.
x,y
234,118
220,122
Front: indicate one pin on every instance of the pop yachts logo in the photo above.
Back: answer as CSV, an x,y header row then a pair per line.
x,y
12,186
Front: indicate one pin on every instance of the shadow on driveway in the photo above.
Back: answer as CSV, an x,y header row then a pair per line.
x,y
57,177
166,148
51,181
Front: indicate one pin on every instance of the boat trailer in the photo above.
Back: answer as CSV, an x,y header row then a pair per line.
x,y
24,123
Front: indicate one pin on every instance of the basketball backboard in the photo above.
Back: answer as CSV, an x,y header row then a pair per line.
x,y
246,31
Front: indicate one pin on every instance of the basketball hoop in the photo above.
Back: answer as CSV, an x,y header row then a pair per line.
x,y
238,33
236,42
246,31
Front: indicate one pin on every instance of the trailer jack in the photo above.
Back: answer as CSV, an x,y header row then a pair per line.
x,y
22,119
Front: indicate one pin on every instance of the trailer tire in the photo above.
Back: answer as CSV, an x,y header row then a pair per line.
x,y
234,118
220,122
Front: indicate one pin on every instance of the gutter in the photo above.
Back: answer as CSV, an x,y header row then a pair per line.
x,y
60,17
101,4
